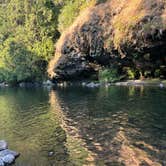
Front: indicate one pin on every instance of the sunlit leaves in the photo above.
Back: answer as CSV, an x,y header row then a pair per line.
x,y
28,31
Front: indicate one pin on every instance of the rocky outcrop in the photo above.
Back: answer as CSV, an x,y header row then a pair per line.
x,y
121,33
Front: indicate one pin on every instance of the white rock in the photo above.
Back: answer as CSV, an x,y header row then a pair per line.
x,y
2,163
48,82
8,159
92,85
51,153
3,145
122,83
161,85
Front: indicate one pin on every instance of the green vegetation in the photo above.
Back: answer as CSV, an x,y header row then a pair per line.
x,y
29,29
130,73
73,7
108,75
28,32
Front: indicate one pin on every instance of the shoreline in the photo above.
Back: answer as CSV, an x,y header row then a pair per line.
x,y
90,83
151,82
93,84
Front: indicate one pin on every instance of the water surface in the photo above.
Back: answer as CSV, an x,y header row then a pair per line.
x,y
82,126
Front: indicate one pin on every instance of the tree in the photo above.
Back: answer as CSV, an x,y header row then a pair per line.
x,y
28,31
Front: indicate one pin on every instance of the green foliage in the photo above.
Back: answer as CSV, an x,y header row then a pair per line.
x,y
28,31
108,75
71,10
19,64
130,74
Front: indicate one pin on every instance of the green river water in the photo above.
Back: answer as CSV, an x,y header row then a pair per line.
x,y
85,126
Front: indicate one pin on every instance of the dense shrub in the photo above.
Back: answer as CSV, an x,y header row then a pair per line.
x,y
108,75
28,31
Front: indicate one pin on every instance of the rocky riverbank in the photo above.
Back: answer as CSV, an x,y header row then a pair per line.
x,y
92,84
7,156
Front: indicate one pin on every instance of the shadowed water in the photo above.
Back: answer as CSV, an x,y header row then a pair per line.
x,y
82,126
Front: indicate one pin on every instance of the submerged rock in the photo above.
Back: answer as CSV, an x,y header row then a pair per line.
x,y
3,145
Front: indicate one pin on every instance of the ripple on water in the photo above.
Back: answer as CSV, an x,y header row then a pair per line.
x,y
81,126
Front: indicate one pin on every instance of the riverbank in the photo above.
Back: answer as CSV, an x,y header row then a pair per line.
x,y
93,84
90,83
148,82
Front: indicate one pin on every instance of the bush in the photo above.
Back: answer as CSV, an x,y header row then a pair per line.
x,y
28,31
108,75
20,64
130,74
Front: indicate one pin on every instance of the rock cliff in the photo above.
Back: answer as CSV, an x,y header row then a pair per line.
x,y
119,33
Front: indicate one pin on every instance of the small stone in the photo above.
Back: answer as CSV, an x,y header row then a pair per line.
x,y
8,159
3,145
50,153
1,163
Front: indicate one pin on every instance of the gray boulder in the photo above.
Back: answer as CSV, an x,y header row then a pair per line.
x,y
7,156
8,152
8,159
2,163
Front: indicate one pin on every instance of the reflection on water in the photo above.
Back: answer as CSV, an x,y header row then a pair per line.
x,y
81,126
31,127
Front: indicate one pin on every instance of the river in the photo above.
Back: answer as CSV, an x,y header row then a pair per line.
x,y
85,126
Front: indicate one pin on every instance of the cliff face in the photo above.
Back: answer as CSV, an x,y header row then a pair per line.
x,y
123,33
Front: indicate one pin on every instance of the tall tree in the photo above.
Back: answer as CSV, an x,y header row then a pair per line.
x,y
28,31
